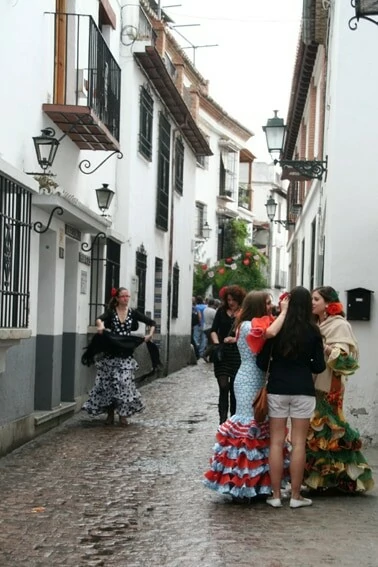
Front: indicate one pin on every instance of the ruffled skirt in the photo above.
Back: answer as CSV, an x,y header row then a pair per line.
x,y
239,466
333,456
115,388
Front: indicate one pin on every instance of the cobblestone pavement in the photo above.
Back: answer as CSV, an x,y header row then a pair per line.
x,y
87,495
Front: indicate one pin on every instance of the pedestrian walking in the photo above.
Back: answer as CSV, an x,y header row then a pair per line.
x,y
208,319
239,466
198,331
115,389
334,459
295,354
226,356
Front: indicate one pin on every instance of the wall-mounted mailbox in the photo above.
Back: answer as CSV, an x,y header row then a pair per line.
x,y
358,304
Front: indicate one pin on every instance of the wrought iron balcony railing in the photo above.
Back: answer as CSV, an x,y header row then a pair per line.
x,y
86,74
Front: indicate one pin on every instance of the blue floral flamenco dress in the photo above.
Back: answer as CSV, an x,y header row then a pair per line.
x,y
239,466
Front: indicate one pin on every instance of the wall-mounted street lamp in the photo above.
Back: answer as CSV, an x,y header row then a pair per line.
x,y
275,132
205,235
104,198
46,146
364,9
271,207
206,231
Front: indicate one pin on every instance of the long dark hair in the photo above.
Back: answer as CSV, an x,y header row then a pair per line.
x,y
299,318
329,294
254,305
114,298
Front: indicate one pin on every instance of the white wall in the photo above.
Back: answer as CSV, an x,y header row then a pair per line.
x,y
351,192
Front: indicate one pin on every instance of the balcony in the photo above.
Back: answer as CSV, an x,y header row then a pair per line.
x,y
87,84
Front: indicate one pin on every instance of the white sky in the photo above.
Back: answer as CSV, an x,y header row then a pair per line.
x,y
250,72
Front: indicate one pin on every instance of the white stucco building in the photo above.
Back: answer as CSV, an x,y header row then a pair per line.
x,y
112,83
270,236
332,118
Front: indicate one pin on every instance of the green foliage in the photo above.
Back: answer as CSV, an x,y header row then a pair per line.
x,y
242,268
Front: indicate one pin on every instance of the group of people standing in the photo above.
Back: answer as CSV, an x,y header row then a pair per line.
x,y
306,352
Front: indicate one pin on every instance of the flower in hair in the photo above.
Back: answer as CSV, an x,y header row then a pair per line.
x,y
334,308
113,292
283,296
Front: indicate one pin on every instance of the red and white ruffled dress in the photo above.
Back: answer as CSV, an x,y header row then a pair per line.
x,y
239,465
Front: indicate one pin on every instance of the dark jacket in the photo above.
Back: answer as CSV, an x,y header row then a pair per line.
x,y
292,375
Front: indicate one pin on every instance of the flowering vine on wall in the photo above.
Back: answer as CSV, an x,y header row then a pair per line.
x,y
244,269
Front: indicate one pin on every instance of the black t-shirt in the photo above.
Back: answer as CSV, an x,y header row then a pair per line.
x,y
222,324
292,375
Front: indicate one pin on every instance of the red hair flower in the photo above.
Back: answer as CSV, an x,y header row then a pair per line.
x,y
222,292
113,292
334,308
283,296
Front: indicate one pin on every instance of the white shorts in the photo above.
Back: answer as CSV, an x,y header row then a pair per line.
x,y
301,407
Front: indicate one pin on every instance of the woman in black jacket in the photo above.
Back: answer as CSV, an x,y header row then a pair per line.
x,y
295,355
115,388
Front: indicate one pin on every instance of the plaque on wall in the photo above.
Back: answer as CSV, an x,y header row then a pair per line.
x,y
83,282
72,232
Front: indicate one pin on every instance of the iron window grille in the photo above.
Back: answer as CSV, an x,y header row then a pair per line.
x,y
105,267
175,290
15,226
163,173
141,272
179,166
146,111
201,210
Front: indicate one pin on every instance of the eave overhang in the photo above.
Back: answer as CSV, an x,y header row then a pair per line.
x,y
153,66
304,67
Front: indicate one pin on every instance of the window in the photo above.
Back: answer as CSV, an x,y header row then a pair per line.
x,y
158,296
200,219
141,271
179,166
105,266
146,109
227,174
163,173
15,225
313,250
175,290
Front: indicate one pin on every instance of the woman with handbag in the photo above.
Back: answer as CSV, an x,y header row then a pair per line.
x,y
239,465
225,354
294,355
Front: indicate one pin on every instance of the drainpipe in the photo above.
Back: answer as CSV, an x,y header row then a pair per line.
x,y
170,251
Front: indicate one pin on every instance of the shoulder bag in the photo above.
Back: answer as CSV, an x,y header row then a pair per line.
x,y
260,403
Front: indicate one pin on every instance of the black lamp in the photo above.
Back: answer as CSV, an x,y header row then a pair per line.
x,y
271,207
275,131
364,10
206,230
46,147
104,197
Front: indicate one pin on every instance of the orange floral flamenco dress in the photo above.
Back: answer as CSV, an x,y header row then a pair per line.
x,y
333,456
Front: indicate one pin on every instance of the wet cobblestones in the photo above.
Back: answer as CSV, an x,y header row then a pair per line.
x,y
87,495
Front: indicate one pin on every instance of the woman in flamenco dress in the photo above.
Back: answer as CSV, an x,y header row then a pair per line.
x,y
239,464
333,456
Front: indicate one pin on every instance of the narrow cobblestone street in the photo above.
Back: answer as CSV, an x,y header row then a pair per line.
x,y
87,495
